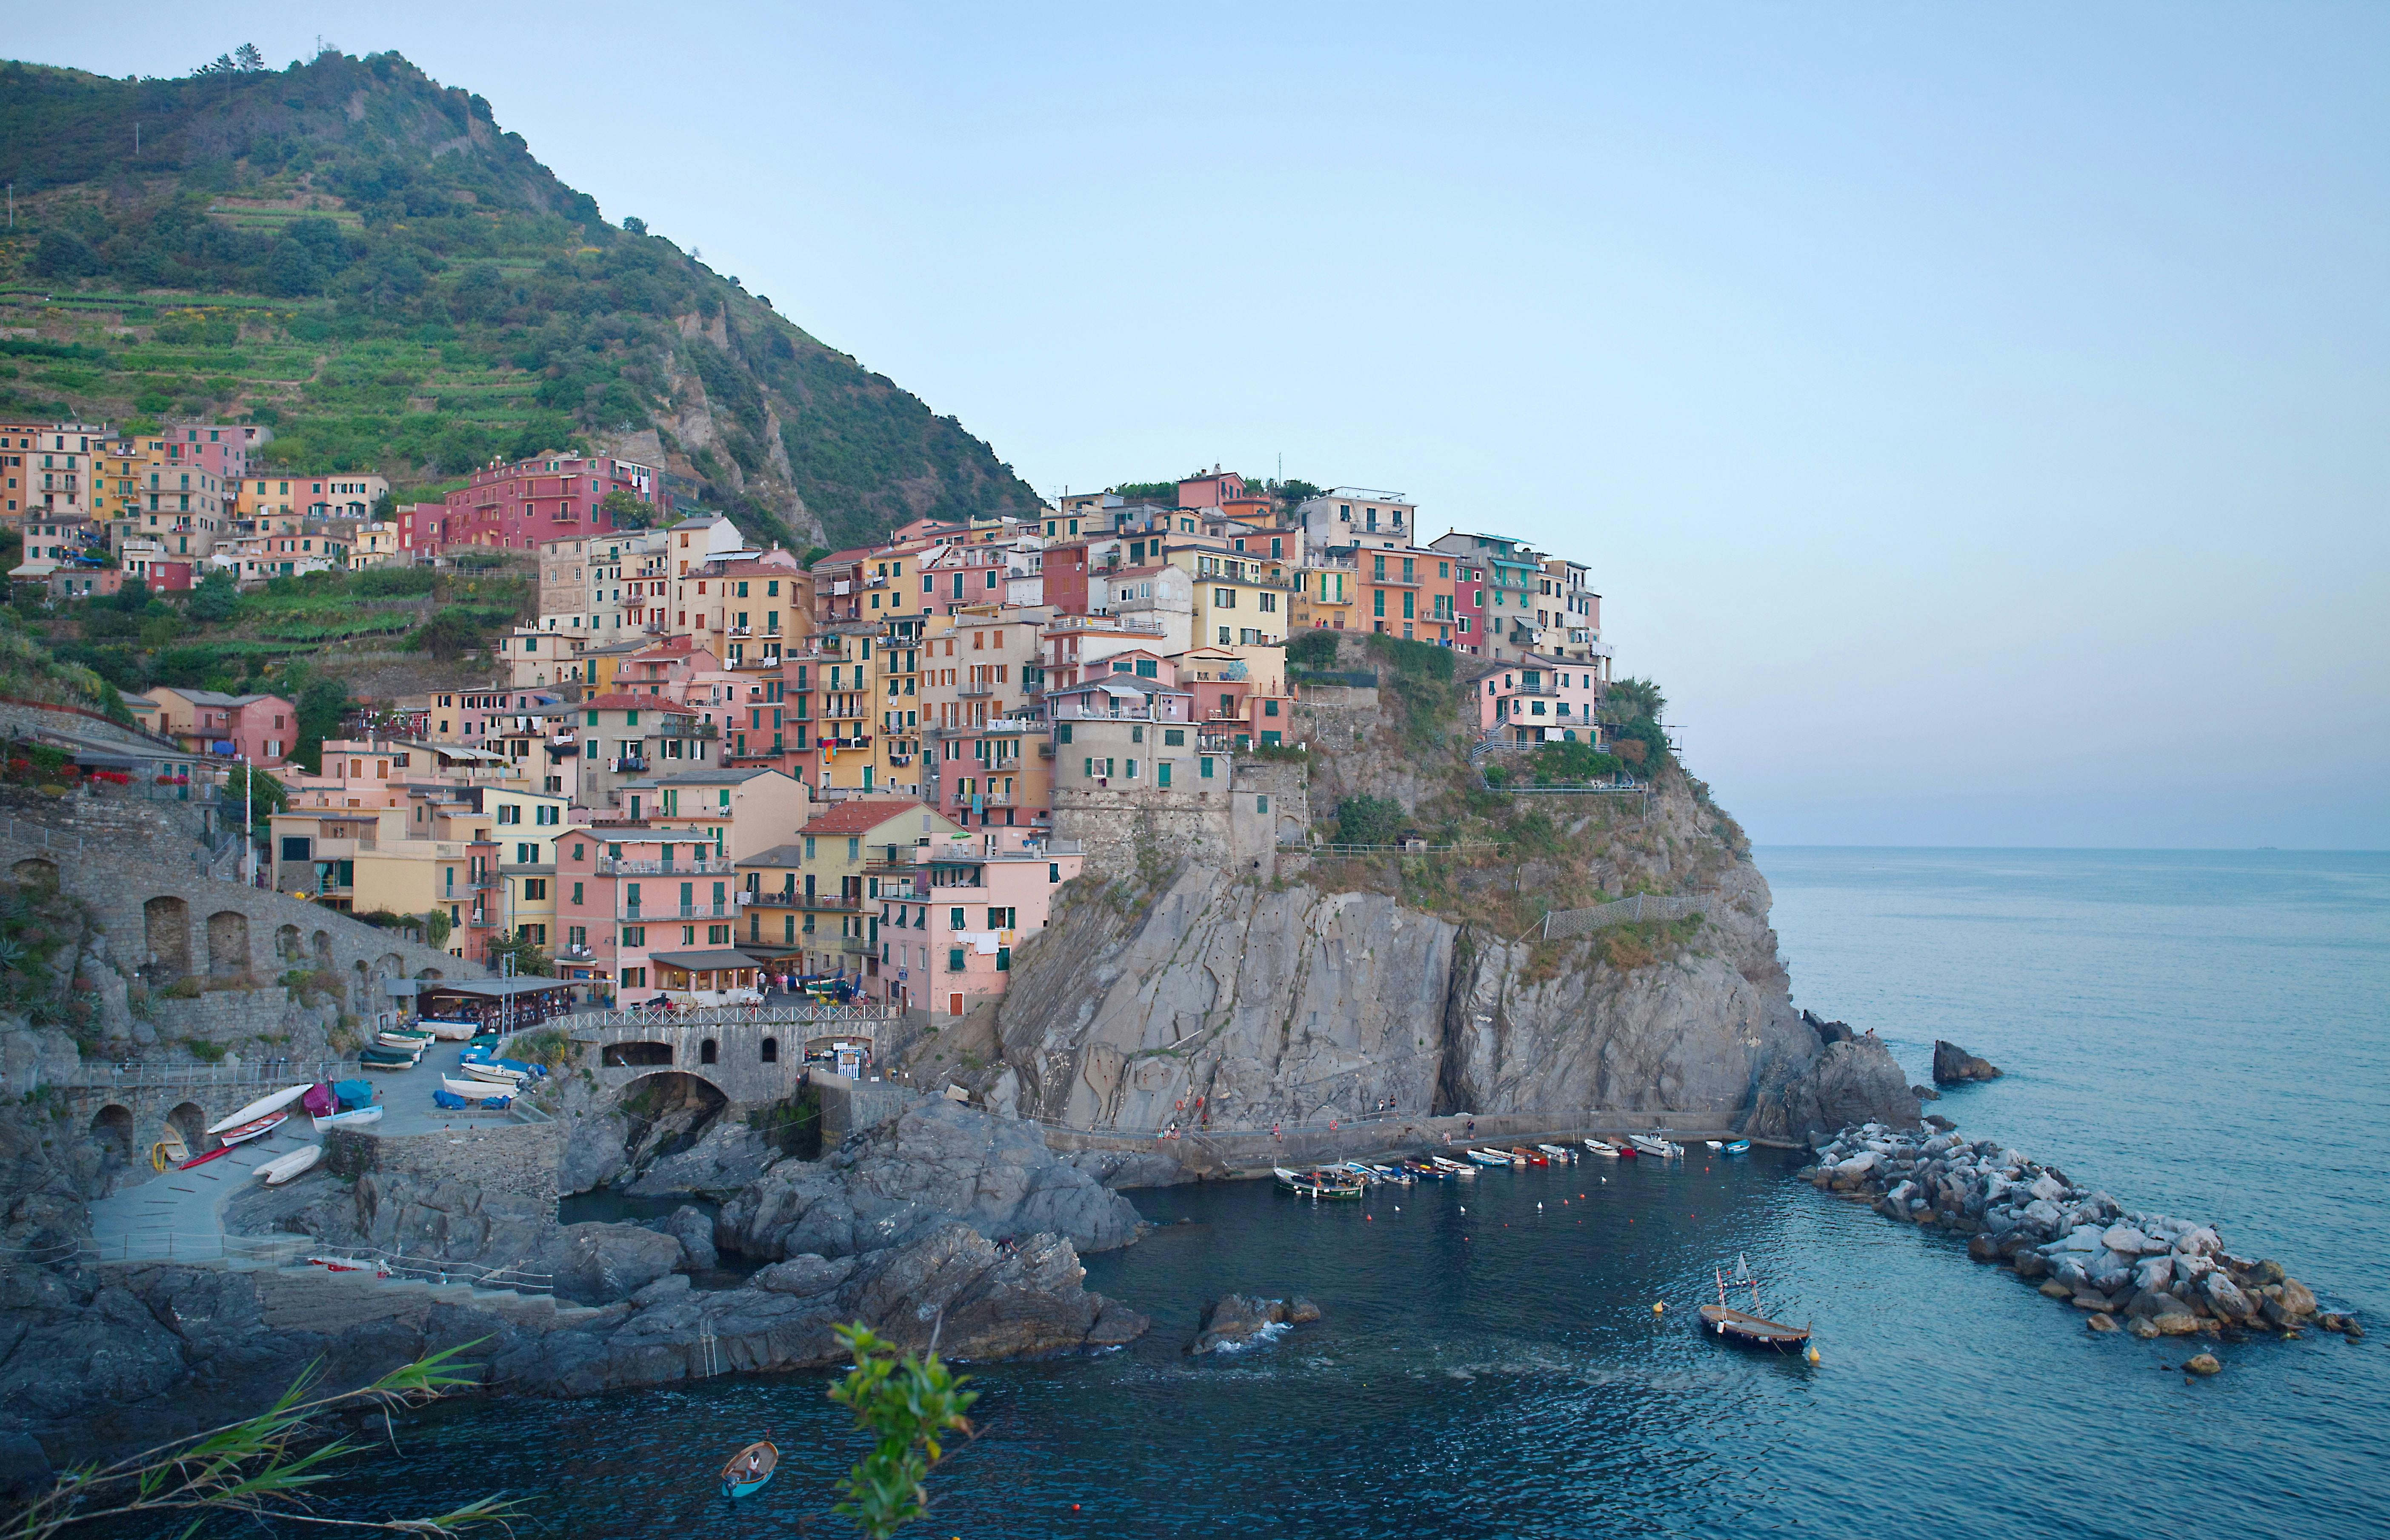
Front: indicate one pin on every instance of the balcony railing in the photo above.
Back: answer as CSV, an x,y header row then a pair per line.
x,y
643,911
609,867
969,691
857,946
629,764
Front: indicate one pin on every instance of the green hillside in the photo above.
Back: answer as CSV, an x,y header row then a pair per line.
x,y
362,259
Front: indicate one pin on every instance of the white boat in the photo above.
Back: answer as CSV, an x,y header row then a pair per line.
x,y
476,1090
1451,1167
452,1032
499,1073
1715,1144
1489,1157
260,1107
401,1041
283,1167
356,1117
1603,1148
1557,1151
1661,1148
255,1127
375,1065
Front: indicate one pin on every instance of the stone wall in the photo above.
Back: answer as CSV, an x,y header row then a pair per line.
x,y
849,1106
1225,828
507,1157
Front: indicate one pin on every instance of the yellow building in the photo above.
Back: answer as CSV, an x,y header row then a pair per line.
x,y
1325,595
1237,602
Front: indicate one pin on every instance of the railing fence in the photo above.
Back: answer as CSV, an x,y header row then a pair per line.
x,y
1562,924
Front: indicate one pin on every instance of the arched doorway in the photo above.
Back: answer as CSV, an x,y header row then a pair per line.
x,y
191,1123
167,931
708,1052
36,871
287,948
771,1050
635,1055
112,1126
228,943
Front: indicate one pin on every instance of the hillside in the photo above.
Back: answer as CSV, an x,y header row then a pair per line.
x,y
362,258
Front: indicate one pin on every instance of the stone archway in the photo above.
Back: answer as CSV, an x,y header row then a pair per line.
x,y
321,942
228,943
112,1126
191,1123
709,1052
167,931
36,871
771,1050
288,948
636,1054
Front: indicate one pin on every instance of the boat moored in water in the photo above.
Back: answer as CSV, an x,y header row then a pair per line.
x,y
1490,1157
1447,1165
1749,1327
1604,1149
1658,1149
749,1469
1521,1156
1737,1146
1557,1151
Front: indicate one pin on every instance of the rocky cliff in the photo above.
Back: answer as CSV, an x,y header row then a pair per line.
x,y
1425,978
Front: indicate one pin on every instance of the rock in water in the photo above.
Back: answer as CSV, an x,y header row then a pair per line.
x,y
1237,1320
693,1227
2100,1321
2203,1362
1954,1065
1852,1081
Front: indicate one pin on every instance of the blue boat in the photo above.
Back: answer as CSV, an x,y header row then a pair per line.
x,y
749,1469
1738,1147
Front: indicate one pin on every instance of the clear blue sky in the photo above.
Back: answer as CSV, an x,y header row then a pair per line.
x,y
1963,409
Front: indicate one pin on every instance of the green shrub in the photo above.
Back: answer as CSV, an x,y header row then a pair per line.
x,y
1315,650
1369,821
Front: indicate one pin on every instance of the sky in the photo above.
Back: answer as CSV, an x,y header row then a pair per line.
x,y
1962,409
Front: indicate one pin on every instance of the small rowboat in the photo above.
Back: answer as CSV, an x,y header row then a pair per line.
x,y
1604,1149
1489,1157
750,1469
1559,1152
1737,1146
284,1167
169,1150
476,1090
1521,1156
260,1107
483,1069
1748,1327
1451,1167
1713,1143
252,1129
401,1041
356,1117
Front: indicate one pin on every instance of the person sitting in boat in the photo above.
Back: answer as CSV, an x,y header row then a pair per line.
x,y
754,1462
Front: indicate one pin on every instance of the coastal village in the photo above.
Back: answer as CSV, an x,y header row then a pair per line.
x,y
706,768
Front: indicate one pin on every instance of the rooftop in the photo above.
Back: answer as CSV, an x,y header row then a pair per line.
x,y
858,816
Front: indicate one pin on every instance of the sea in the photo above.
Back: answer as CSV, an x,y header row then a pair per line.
x,y
2197,1032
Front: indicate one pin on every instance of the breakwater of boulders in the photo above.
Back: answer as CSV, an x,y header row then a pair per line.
x,y
2150,1274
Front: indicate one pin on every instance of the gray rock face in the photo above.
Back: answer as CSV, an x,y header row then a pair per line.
x,y
727,1157
1954,1065
1119,1169
1232,1322
1852,1081
937,1164
693,1227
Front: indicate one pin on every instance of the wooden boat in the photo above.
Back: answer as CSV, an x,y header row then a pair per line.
x,y
402,1041
476,1090
168,1150
1559,1152
1737,1146
261,1107
1603,1148
1451,1167
494,1073
749,1469
1316,1185
1658,1149
1489,1157
391,1065
1713,1144
218,1153
452,1032
1420,1171
356,1117
389,1056
254,1128
1748,1327
282,1168
1521,1156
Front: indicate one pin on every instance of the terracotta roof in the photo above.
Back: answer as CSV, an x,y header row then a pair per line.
x,y
859,817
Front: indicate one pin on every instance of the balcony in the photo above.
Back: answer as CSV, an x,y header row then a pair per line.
x,y
629,764
973,691
857,946
641,913
828,903
686,727
742,631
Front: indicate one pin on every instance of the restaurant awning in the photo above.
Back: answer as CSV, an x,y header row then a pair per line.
x,y
704,962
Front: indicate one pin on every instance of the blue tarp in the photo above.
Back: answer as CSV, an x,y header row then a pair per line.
x,y
448,1100
353,1093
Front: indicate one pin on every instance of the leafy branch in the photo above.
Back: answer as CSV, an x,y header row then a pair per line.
x,y
909,1405
256,1468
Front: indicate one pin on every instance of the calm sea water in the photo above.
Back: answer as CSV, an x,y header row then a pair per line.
x,y
2198,1032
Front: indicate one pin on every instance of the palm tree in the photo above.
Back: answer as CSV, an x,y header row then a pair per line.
x,y
1624,700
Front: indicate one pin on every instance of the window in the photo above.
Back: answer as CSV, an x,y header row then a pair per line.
x,y
526,856
954,961
534,888
576,893
1203,768
1261,804
999,920
809,847
954,920
509,813
1136,735
1003,959
634,935
1174,738
854,847
1062,733
1053,871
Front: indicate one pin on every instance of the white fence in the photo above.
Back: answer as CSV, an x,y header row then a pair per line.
x,y
1560,924
298,1250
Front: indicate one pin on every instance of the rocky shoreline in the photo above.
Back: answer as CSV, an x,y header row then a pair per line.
x,y
2151,1274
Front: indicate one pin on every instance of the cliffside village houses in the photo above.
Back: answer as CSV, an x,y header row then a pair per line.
x,y
707,764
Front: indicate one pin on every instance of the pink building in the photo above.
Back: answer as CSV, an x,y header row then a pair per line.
x,y
262,728
223,449
1540,699
519,505
634,903
948,927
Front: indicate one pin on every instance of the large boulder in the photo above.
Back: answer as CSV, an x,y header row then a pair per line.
x,y
693,1227
600,1264
1857,1081
938,1163
1955,1066
725,1158
1230,1323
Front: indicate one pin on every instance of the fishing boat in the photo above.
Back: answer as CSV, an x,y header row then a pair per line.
x,y
1737,1146
403,1042
1713,1144
254,1128
476,1090
356,1117
1316,1185
1749,1327
1365,1174
1658,1149
1521,1156
1450,1167
282,1168
382,1062
452,1032
1422,1171
1489,1157
750,1469
483,1069
1604,1147
262,1108
1559,1152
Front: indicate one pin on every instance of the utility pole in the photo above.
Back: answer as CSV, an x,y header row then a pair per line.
x,y
248,823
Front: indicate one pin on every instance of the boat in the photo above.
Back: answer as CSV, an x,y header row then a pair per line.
x,y
749,1469
476,1090
1490,1157
1749,1327
452,1032
282,1168
1318,1184
403,1042
218,1153
1451,1167
480,1070
1521,1156
1658,1149
356,1117
1557,1151
254,1128
1738,1147
384,1063
1420,1171
1712,1144
1604,1147
168,1150
261,1107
